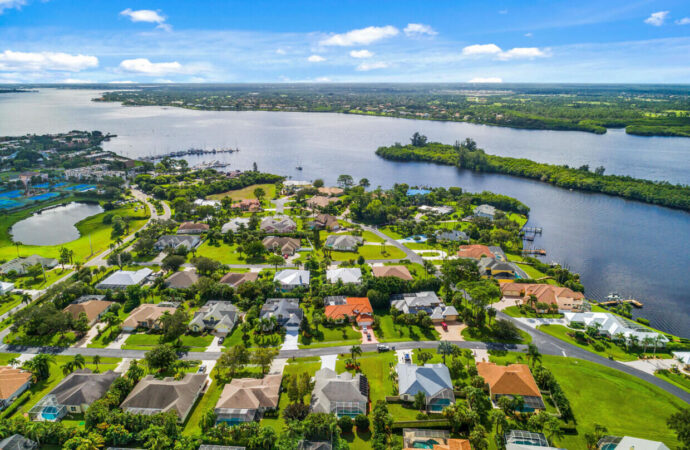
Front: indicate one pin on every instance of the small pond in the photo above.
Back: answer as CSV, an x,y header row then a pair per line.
x,y
53,226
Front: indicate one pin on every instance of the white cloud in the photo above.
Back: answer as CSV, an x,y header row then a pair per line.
x,y
522,53
145,67
323,80
76,81
657,19
280,51
361,54
481,49
486,80
148,16
121,82
363,36
528,35
23,61
10,4
316,58
365,67
418,29
683,21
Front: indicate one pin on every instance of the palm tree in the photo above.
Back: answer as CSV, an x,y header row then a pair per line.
x,y
634,340
444,348
68,368
39,366
14,362
135,372
79,362
355,351
646,342
620,336
533,354
17,244
657,339
97,361
26,298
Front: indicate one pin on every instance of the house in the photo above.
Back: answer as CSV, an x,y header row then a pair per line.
x,y
93,308
236,279
431,379
565,298
325,222
494,268
152,395
331,191
292,186
203,202
124,278
474,251
436,210
392,271
192,228
6,287
282,245
426,301
246,399
510,381
629,443
278,224
285,310
13,382
345,275
17,442
19,265
74,394
217,317
146,316
290,279
484,210
343,242
414,438
318,201
354,309
314,445
249,204
526,440
340,394
182,280
235,224
176,241
452,236
616,327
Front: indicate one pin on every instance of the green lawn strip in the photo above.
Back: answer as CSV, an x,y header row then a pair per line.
x,y
514,311
51,276
368,236
611,349
390,233
6,357
474,334
518,218
376,366
369,252
246,193
223,253
328,337
255,340
105,338
207,401
6,305
53,340
677,379
391,332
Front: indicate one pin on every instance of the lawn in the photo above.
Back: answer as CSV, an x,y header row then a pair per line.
x,y
611,349
485,335
391,332
256,340
534,273
207,401
9,303
370,252
626,405
368,236
51,276
141,341
331,337
679,379
56,340
246,193
223,253
514,311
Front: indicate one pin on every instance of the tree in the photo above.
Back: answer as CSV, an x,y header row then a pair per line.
x,y
533,355
34,271
418,140
423,357
205,266
345,181
64,257
161,358
135,372
364,182
382,422
592,439
444,348
275,261
355,351
345,424
318,183
172,262
81,325
361,422
263,357
259,193
680,423
119,259
296,411
208,420
420,400
96,360
233,359
174,325
79,361
39,366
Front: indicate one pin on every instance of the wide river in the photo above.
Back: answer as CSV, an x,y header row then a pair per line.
x,y
616,245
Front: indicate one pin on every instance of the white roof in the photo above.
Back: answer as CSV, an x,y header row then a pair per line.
x,y
5,286
292,277
683,357
612,325
126,277
296,183
632,443
347,275
234,224
202,202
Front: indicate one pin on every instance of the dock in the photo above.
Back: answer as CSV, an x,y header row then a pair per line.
x,y
189,152
534,251
632,301
533,230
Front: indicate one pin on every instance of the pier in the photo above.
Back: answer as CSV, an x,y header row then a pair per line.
x,y
635,303
532,230
189,152
534,251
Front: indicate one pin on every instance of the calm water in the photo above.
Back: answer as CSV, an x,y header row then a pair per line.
x,y
53,226
616,245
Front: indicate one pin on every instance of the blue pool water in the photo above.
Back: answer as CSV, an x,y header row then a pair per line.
x,y
49,413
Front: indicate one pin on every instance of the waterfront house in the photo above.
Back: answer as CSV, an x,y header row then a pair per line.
x,y
176,241
436,210
246,399
192,228
342,242
565,298
94,308
6,287
451,236
392,271
278,224
427,301
217,317
340,394
290,279
292,186
331,191
320,202
487,211
629,443
286,311
203,202
475,251
13,382
235,279
495,268
235,224
353,309
152,396
147,316
613,326
283,245
510,381
431,379
345,275
20,265
182,280
125,278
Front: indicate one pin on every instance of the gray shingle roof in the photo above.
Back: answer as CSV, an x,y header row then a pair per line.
x,y
82,387
224,312
342,241
429,378
17,442
152,395
283,309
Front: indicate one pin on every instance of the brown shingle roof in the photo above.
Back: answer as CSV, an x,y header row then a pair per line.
x,y
147,312
475,251
92,308
320,201
392,271
11,379
454,444
514,379
182,280
545,293
193,226
332,191
166,394
236,279
251,393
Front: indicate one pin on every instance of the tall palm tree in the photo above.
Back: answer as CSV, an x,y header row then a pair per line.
x,y
97,360
646,342
17,244
79,362
444,348
14,362
355,351
68,368
533,354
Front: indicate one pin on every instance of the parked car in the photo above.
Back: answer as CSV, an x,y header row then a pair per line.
x,y
444,326
382,348
368,337
221,340
202,369
407,358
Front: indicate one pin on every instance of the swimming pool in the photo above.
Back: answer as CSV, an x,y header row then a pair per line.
x,y
425,444
50,413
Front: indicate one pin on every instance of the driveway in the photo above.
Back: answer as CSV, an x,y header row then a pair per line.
x,y
119,340
328,361
364,335
454,332
504,303
291,339
215,346
92,333
652,365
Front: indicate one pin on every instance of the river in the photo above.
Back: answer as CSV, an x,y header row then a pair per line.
x,y
616,245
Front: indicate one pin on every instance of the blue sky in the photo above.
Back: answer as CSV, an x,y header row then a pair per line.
x,y
117,41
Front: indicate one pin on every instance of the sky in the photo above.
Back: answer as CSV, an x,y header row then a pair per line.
x,y
114,41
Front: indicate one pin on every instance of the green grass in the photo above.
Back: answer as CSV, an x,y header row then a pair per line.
x,y
6,357
235,338
391,332
534,273
51,276
207,401
331,337
105,338
141,341
10,303
390,233
223,253
679,379
485,335
246,193
196,343
514,311
611,349
55,340
368,236
369,252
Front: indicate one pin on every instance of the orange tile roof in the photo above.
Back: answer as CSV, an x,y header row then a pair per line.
x,y
454,444
474,251
11,379
358,307
392,271
92,308
514,379
545,293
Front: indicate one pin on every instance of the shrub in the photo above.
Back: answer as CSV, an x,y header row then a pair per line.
x,y
643,321
345,424
296,411
362,422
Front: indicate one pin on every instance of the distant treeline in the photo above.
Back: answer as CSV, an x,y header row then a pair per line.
x,y
466,155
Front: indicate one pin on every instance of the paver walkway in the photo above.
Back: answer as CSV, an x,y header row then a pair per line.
x,y
291,339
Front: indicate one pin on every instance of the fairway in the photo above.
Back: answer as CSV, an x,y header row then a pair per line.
x,y
246,193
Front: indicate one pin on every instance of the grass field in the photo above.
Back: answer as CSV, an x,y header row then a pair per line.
x,y
369,252
474,334
9,303
678,379
246,193
51,276
224,253
19,338
611,349
331,337
514,311
390,332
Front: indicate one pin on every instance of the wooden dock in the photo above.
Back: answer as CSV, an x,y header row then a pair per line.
x,y
534,251
635,303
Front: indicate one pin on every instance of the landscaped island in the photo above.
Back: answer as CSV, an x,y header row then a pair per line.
x,y
467,155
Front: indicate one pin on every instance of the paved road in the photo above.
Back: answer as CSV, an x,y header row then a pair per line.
x,y
409,254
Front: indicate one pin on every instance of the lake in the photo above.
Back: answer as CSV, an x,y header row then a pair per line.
x,y
616,245
53,226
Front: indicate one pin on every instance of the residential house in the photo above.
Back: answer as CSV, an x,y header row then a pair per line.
x,y
474,251
343,242
18,442
353,309
176,241
278,224
192,228
526,440
494,268
147,316
292,186
236,279
325,222
319,202
340,394
510,381
290,279
93,308
451,236
392,271
629,443
487,211
286,311
565,298
13,382
431,379
217,317
152,396
282,245
203,202
182,280
615,327
6,287
331,191
73,395
249,204
345,275
235,224
246,399
436,210
427,301
124,278
414,438
20,265
314,445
